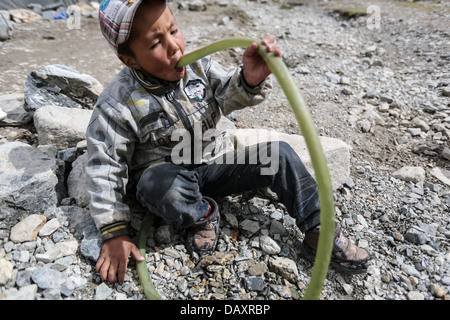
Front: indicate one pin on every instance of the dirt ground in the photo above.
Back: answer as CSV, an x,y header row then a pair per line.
x,y
44,42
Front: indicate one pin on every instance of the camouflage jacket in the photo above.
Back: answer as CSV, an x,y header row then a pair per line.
x,y
136,119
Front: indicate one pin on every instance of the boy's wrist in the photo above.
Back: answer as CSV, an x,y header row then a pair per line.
x,y
114,230
254,89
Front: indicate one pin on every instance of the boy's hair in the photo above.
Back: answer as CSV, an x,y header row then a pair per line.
x,y
125,48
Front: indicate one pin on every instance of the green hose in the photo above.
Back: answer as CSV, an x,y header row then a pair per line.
x,y
318,159
149,290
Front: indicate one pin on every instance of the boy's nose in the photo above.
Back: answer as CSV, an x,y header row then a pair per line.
x,y
173,48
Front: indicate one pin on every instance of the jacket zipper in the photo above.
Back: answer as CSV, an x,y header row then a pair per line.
x,y
184,118
180,111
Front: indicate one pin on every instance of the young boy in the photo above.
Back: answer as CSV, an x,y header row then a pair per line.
x,y
132,138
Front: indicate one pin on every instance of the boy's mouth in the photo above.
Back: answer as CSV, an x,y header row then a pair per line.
x,y
179,69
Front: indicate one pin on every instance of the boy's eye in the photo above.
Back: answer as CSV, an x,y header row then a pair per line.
x,y
174,31
155,45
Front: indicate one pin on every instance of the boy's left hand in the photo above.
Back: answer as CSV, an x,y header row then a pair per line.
x,y
255,68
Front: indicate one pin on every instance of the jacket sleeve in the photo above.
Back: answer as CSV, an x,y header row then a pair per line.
x,y
110,148
231,90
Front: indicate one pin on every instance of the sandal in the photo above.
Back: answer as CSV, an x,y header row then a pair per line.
x,y
346,257
203,235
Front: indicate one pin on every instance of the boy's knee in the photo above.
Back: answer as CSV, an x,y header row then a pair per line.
x,y
285,150
156,180
167,181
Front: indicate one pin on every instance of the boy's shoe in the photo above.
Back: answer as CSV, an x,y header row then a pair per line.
x,y
203,235
346,257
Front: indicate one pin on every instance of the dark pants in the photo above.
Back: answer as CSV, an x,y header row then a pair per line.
x,y
175,192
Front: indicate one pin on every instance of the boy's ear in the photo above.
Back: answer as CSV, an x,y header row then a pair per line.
x,y
128,61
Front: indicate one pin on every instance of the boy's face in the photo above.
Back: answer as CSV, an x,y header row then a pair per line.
x,y
157,43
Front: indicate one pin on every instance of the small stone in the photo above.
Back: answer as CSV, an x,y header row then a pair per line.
x,y
347,288
415,295
285,267
91,248
415,236
28,228
446,91
414,131
437,290
164,234
27,292
442,174
398,236
232,220
254,283
365,125
268,245
73,282
419,123
59,250
47,278
410,174
257,269
50,227
6,270
446,153
410,270
102,292
197,6
250,226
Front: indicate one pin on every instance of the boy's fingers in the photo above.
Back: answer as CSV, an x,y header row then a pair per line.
x,y
103,265
268,39
112,272
271,46
251,50
122,270
137,254
99,263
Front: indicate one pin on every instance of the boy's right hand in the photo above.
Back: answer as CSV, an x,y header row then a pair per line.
x,y
112,263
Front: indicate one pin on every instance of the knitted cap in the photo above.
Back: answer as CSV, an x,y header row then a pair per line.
x,y
116,19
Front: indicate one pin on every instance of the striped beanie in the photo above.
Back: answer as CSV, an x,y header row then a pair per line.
x,y
116,19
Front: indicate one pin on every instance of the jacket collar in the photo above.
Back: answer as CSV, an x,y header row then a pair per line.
x,y
154,85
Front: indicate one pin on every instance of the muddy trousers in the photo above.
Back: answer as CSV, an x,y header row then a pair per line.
x,y
175,192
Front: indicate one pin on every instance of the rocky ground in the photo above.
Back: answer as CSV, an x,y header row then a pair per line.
x,y
384,90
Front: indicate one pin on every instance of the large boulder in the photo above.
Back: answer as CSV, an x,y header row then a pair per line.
x,y
336,151
76,187
59,85
13,105
60,126
27,181
6,28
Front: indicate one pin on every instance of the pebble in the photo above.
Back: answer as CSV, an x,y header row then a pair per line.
x,y
268,245
285,267
47,278
102,292
49,227
415,295
6,271
28,228
410,174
